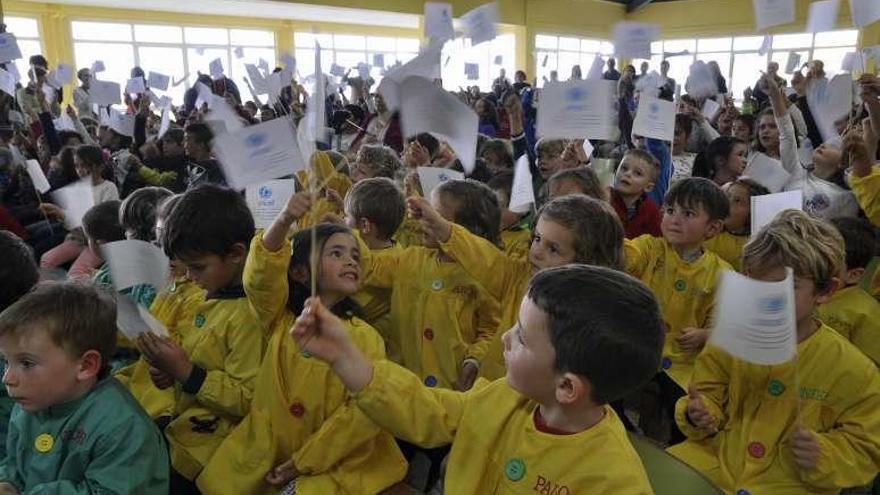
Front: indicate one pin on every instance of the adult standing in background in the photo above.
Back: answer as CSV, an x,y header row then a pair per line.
x,y
82,100
667,90
720,81
611,74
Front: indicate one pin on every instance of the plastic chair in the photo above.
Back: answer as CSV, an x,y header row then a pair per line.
x,y
668,475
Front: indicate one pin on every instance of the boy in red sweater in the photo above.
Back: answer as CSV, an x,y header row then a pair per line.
x,y
635,177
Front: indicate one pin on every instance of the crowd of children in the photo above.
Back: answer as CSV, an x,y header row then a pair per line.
x,y
382,337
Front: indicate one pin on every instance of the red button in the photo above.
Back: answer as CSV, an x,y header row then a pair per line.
x,y
297,409
429,334
756,450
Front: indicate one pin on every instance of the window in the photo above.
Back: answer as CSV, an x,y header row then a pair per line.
x,y
27,33
176,51
349,50
561,53
490,58
738,57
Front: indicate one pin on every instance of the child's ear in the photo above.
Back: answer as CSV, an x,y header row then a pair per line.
x,y
825,295
714,228
90,364
238,252
854,276
650,186
571,388
364,226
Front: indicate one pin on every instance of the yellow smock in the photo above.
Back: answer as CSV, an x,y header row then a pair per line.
x,y
757,408
728,247
376,305
439,314
496,448
867,192
504,278
516,243
685,291
227,343
327,176
175,308
300,409
853,313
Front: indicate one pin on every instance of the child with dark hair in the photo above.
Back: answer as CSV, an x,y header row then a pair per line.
x,y
298,437
809,425
570,229
581,180
683,275
682,160
213,368
851,311
722,161
202,167
585,336
74,427
101,225
420,150
738,224
516,236
636,176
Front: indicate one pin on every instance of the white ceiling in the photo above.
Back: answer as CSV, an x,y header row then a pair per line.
x,y
260,8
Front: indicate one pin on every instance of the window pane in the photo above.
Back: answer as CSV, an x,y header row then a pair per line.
x,y
408,45
350,60
573,44
22,27
199,62
349,42
591,46
251,56
379,44
118,59
567,60
544,41
847,37
714,44
832,58
305,61
165,60
679,67
206,36
802,40
673,46
100,31
656,47
747,42
28,48
543,71
606,48
251,37
158,34
746,70
403,57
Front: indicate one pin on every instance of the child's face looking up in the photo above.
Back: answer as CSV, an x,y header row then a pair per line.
x,y
529,355
687,227
634,177
740,208
553,244
39,373
340,268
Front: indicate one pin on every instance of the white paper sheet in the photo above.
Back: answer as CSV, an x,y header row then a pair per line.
x,y
823,16
522,194
123,123
133,320
772,13
135,85
633,39
853,62
578,109
104,93
767,171
431,177
766,44
97,66
830,101
37,176
792,62
64,123
596,67
310,129
588,148
864,12
9,48
337,70
49,92
267,199
700,81
215,68
258,82
767,206
426,64
754,320
134,262
7,83
379,60
363,70
16,76
158,81
75,199
64,73
259,153
472,71
438,21
165,124
710,108
426,108
479,23
655,118
222,111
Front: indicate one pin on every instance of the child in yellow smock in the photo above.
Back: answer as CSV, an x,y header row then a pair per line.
x,y
851,311
444,319
326,178
214,366
585,336
806,426
738,224
302,429
516,236
570,229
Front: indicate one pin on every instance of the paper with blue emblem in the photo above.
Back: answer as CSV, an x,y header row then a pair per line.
x,y
134,262
431,177
9,48
267,199
259,153
773,12
754,320
578,109
655,118
633,39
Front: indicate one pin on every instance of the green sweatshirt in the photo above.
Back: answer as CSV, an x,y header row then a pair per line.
x,y
102,443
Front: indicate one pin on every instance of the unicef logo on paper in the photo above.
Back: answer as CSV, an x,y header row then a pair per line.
x,y
575,98
265,192
771,305
256,140
654,108
443,177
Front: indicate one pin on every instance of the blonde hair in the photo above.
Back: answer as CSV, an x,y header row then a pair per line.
x,y
812,248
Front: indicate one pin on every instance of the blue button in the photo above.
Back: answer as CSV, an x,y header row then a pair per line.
x,y
199,320
743,492
515,469
431,381
666,363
